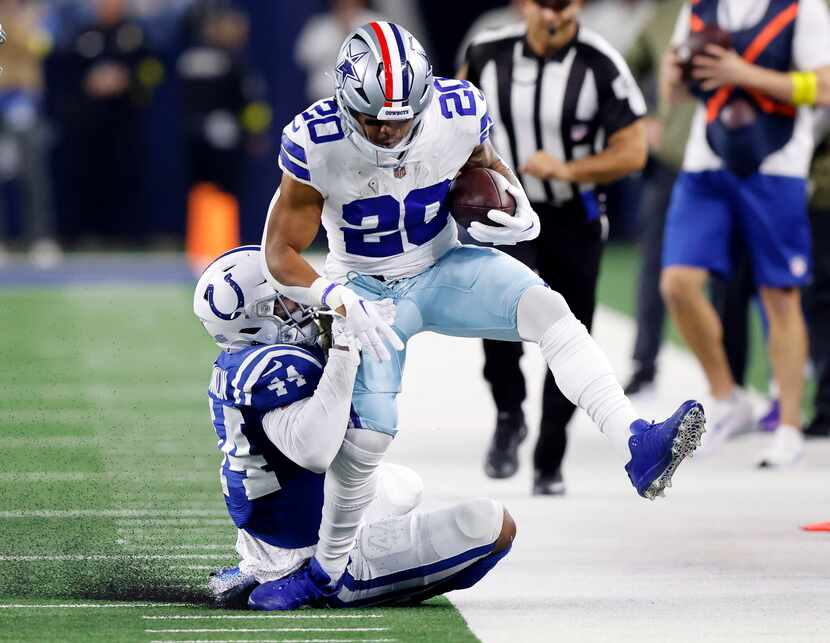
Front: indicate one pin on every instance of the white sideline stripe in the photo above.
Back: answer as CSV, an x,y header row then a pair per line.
x,y
275,641
270,629
261,616
78,557
111,513
99,476
176,522
213,534
90,605
224,546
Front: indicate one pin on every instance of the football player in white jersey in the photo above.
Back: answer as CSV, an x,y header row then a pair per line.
x,y
280,406
374,165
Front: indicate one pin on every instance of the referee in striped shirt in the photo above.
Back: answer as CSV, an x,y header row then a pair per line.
x,y
567,116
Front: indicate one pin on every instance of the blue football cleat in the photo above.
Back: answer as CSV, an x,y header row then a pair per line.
x,y
230,588
657,449
308,586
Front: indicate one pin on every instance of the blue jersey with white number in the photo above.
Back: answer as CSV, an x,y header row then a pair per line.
x,y
383,221
267,494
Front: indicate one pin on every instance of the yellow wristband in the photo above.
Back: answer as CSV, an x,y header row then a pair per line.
x,y
805,87
811,91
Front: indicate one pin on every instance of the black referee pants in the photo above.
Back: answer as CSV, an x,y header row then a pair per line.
x,y
567,256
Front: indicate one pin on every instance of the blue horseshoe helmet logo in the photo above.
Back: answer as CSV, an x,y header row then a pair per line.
x,y
240,300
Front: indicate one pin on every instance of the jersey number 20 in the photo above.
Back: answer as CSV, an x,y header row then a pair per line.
x,y
424,216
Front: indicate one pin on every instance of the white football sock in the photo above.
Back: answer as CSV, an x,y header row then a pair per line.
x,y
579,366
349,489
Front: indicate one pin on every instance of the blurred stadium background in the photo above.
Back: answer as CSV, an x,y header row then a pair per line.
x,y
138,139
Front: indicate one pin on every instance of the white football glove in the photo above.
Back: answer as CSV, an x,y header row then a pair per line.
x,y
341,338
522,226
369,322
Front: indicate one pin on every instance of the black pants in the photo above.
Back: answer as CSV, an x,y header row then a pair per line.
x,y
567,256
732,299
817,305
651,311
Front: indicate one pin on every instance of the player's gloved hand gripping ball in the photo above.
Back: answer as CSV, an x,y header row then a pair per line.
x,y
481,190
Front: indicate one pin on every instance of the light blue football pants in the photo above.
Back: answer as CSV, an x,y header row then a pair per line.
x,y
469,292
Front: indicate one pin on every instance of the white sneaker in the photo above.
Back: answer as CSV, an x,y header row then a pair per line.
x,y
726,419
45,254
786,448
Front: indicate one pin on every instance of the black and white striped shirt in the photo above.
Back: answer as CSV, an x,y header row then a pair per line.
x,y
567,105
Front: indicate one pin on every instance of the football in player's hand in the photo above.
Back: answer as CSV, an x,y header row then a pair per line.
x,y
695,45
477,191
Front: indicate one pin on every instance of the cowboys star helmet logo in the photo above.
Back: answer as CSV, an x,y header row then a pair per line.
x,y
346,68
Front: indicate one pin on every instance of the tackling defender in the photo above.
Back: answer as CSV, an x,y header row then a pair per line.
x,y
374,164
280,409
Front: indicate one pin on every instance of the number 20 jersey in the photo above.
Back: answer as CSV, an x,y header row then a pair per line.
x,y
387,221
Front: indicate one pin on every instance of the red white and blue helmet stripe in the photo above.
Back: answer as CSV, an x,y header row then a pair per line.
x,y
395,65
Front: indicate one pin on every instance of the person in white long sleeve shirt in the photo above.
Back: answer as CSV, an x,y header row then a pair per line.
x,y
281,408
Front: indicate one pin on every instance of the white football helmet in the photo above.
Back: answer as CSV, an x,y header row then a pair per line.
x,y
382,71
238,308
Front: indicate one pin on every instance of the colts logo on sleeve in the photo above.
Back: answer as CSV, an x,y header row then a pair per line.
x,y
240,300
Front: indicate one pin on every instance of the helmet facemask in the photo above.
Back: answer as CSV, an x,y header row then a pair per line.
x,y
385,157
295,322
239,309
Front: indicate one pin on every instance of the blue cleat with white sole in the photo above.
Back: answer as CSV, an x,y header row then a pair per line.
x,y
230,588
309,586
657,449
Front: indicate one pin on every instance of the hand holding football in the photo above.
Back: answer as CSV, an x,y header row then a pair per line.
x,y
695,45
474,193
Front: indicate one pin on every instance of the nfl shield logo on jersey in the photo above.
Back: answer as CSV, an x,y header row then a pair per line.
x,y
400,172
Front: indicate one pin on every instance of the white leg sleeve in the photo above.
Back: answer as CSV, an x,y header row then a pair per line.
x,y
432,545
350,487
579,366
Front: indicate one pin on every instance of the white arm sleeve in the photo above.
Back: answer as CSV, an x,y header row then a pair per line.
x,y
812,35
309,432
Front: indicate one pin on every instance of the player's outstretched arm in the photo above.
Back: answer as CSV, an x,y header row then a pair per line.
x,y
310,431
293,221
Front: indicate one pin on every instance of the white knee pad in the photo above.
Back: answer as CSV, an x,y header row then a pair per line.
x,y
465,526
399,491
539,308
418,539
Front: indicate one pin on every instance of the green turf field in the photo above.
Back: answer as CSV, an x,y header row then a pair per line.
x,y
109,486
